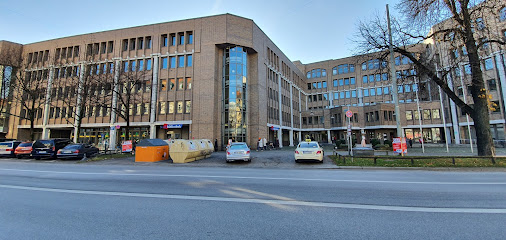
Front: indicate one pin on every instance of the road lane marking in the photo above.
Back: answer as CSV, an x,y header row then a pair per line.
x,y
256,178
264,201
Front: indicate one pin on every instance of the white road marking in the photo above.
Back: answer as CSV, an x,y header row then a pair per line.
x,y
264,201
257,178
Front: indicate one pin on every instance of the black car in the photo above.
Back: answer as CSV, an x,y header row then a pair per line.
x,y
47,148
77,151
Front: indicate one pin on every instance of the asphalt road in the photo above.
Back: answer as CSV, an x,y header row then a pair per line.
x,y
71,201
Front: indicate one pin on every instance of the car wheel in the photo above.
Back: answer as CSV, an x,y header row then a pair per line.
x,y
297,161
37,158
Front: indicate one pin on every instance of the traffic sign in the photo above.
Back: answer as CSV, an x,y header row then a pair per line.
x,y
349,113
349,130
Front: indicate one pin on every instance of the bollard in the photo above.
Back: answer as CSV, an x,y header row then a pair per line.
x,y
453,160
374,160
412,161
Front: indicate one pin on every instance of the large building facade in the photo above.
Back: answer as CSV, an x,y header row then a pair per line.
x,y
221,77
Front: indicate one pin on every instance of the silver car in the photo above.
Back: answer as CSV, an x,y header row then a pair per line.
x,y
238,151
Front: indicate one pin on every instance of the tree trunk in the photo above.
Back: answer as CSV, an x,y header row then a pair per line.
x,y
32,132
480,113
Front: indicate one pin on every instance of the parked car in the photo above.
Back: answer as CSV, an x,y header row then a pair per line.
x,y
47,148
238,151
77,151
23,150
7,148
309,151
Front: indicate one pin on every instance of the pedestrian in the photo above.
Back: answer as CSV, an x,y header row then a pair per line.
x,y
410,141
229,142
265,143
259,144
215,145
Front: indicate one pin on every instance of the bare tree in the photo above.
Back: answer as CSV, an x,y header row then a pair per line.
x,y
29,93
122,93
437,21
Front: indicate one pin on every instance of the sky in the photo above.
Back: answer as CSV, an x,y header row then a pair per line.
x,y
305,30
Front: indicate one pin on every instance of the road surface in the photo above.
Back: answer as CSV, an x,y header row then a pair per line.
x,y
74,201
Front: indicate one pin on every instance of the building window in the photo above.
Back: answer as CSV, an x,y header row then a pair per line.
x,y
164,63
180,60
436,114
140,43
162,109
138,109
366,92
409,115
347,94
172,62
164,40
149,42
141,65
190,37
125,66
354,93
125,45
180,84
479,23
489,64
319,85
173,39
171,107
426,114
146,109
179,107
148,64
188,83
352,81
378,91
372,91
188,106
334,84
181,38
110,47
163,85
385,90
491,85
341,82
324,84
172,84
189,60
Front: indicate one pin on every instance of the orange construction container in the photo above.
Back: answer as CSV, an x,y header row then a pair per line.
x,y
151,150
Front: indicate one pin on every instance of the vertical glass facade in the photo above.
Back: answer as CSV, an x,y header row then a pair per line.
x,y
235,72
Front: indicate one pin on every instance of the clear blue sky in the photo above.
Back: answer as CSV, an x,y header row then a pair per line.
x,y
306,30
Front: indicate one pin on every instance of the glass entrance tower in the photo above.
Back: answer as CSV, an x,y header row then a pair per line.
x,y
235,72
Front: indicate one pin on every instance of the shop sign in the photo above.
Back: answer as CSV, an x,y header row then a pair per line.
x,y
126,146
274,128
118,126
167,126
399,145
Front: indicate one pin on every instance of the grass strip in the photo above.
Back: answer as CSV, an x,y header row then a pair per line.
x,y
398,161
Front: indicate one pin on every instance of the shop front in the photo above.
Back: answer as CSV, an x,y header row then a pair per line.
x,y
429,135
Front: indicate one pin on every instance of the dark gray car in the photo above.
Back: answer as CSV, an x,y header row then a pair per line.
x,y
77,151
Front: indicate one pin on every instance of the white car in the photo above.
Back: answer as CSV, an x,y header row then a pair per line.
x,y
309,151
238,151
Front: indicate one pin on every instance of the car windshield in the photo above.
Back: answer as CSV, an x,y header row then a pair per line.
x,y
238,146
5,145
25,145
43,144
75,146
308,145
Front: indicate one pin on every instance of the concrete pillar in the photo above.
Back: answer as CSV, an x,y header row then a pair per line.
x,y
291,115
45,129
501,75
329,139
280,96
113,131
300,136
280,138
80,83
154,98
300,112
453,109
291,137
